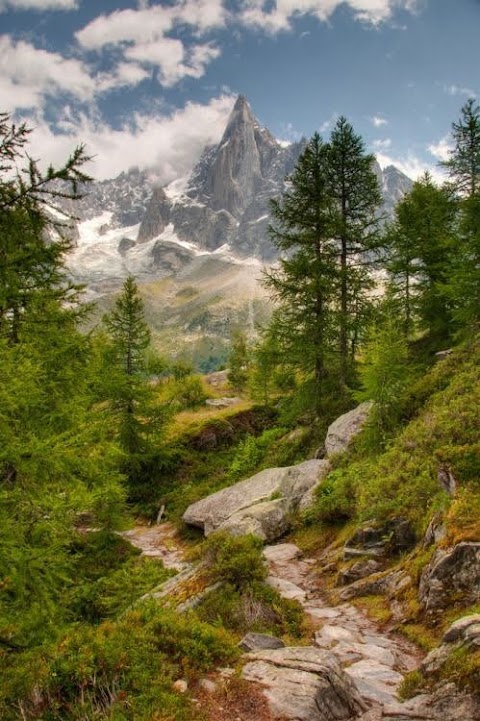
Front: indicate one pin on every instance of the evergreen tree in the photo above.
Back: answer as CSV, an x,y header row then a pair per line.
x,y
238,362
464,169
32,243
422,244
385,373
353,185
130,338
306,281
463,165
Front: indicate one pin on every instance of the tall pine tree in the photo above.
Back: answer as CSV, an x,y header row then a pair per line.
x,y
353,185
306,281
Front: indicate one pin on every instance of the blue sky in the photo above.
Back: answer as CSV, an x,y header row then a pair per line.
x,y
149,83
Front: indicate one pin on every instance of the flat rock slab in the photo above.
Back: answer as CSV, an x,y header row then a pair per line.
x,y
281,553
305,684
329,635
287,589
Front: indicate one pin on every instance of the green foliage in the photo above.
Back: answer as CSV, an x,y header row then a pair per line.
x,y
251,451
111,576
238,361
422,247
237,560
463,164
121,670
258,608
385,375
184,393
403,480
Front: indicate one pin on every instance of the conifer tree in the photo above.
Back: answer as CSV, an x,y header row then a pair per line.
x,y
463,165
464,170
353,186
130,337
238,361
421,250
305,284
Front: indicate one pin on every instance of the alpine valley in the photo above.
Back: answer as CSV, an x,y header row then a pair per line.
x,y
196,246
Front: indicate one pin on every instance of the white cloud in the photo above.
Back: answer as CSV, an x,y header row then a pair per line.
x,y
382,144
328,124
38,5
28,73
440,150
279,17
143,36
168,144
378,121
459,90
411,165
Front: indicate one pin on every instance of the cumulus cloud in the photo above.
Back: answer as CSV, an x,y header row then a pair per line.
x,y
28,73
378,121
169,144
440,150
382,144
38,5
143,35
277,17
411,165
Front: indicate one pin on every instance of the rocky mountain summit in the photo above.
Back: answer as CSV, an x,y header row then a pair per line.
x,y
130,225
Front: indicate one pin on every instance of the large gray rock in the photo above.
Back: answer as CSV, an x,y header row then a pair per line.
x,y
305,684
260,505
260,642
451,576
342,431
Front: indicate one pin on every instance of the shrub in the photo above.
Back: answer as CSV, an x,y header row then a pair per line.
x,y
236,560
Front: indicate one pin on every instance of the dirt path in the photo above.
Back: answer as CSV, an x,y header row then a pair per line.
x,y
159,541
376,660
373,658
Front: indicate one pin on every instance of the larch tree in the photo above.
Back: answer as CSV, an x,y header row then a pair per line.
x,y
305,283
353,186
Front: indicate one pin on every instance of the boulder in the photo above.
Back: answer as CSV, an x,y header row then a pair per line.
x,y
465,632
342,431
451,576
390,538
358,570
259,642
305,684
261,505
379,584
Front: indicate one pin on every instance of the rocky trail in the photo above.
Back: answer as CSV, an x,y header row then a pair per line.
x,y
351,670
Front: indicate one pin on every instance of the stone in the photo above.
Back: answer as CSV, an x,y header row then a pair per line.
x,y
359,569
375,681
259,642
222,402
208,685
390,538
261,504
330,635
308,499
180,685
457,630
287,589
281,552
305,684
344,429
450,575
383,584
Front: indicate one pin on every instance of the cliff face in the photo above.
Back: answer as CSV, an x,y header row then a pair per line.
x,y
221,207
